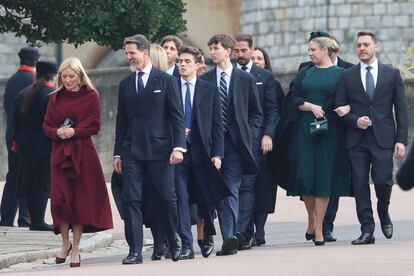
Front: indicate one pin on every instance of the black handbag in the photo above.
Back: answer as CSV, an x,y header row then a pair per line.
x,y
319,128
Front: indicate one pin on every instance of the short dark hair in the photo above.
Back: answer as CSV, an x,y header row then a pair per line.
x,y
140,40
178,42
268,66
364,33
226,41
192,51
244,37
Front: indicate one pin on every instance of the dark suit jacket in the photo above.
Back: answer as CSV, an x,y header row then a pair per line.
x,y
341,63
405,175
207,138
266,87
244,114
389,94
31,140
176,73
150,124
19,81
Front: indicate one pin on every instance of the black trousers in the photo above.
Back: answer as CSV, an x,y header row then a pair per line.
x,y
160,174
330,215
10,200
367,156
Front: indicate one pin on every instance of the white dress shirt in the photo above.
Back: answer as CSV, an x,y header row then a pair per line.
x,y
170,71
374,72
144,77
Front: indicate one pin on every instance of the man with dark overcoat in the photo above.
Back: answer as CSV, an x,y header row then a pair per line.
x,y
242,117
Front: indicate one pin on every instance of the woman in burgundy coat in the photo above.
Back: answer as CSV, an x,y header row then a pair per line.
x,y
79,198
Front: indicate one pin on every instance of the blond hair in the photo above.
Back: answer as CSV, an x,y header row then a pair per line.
x,y
326,42
74,64
158,57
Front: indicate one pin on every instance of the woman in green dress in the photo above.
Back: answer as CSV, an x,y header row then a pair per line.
x,y
318,167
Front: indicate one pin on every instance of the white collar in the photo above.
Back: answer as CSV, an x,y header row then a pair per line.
x,y
374,65
192,81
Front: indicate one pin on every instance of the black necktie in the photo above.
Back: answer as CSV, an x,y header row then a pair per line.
x,y
223,98
187,110
140,83
369,82
244,68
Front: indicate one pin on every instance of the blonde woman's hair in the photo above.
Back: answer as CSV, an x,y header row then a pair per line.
x,y
326,42
158,57
74,64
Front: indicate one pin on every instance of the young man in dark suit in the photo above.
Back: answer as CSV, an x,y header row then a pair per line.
x,y
242,117
373,90
332,209
24,77
205,150
172,46
149,139
262,144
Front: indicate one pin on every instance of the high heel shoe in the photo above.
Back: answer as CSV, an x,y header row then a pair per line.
x,y
59,260
319,243
76,264
309,236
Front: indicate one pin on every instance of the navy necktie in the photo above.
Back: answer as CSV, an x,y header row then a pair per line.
x,y
223,98
140,83
369,83
187,110
244,68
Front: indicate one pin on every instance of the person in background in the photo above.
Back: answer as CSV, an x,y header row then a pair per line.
x,y
24,77
159,57
79,198
33,146
265,191
405,175
172,45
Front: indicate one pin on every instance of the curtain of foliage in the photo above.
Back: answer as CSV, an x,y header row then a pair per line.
x,y
106,22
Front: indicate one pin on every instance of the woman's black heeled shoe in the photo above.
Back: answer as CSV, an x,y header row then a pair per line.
x,y
59,260
76,264
319,243
309,236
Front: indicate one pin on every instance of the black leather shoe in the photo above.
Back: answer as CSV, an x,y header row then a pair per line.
x,y
174,244
241,239
207,246
229,247
156,256
132,258
248,244
329,237
260,241
319,243
23,224
200,244
41,227
309,237
187,254
386,225
365,238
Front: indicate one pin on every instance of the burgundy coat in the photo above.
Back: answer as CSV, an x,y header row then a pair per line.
x,y
78,189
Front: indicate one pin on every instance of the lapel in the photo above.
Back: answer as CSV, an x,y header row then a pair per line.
x,y
380,80
150,87
234,84
358,82
200,93
255,72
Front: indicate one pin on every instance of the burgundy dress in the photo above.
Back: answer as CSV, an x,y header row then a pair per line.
x,y
78,190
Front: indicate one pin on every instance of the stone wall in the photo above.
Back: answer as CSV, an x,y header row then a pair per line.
x,y
283,26
10,45
106,82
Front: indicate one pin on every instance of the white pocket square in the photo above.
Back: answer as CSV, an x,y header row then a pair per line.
x,y
259,83
156,91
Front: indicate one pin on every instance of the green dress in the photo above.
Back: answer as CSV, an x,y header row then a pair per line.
x,y
318,166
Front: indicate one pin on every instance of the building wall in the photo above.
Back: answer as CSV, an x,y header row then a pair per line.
x,y
283,26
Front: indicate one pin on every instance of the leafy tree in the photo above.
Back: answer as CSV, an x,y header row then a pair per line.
x,y
106,22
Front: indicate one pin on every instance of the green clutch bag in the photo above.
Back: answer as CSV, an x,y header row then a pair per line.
x,y
319,127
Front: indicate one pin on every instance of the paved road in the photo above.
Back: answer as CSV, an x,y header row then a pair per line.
x,y
286,252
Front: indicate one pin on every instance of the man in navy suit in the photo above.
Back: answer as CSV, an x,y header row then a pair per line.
x,y
149,139
172,46
373,90
205,150
242,117
262,144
